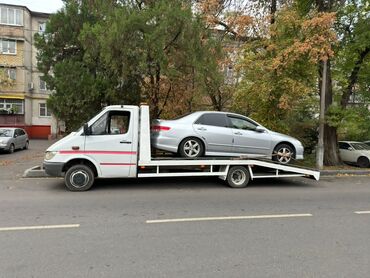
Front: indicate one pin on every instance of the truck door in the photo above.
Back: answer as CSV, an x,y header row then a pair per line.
x,y
110,143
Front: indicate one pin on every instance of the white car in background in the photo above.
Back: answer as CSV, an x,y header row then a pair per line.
x,y
355,153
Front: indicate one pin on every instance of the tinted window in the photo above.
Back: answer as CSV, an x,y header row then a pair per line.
x,y
240,123
343,146
214,119
21,132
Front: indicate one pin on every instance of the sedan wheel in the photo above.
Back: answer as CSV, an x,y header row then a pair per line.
x,y
283,154
191,147
26,146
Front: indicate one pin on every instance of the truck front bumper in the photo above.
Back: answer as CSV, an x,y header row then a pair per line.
x,y
54,169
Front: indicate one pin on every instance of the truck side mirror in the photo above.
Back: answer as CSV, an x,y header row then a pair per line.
x,y
87,130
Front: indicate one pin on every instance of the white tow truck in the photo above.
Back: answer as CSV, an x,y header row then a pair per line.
x,y
116,144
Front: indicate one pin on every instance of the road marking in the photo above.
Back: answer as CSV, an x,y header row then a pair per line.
x,y
227,218
4,229
363,212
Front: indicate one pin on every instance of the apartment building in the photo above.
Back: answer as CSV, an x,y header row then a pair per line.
x,y
23,94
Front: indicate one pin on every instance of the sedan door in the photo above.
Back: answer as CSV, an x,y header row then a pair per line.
x,y
17,138
247,139
23,138
214,130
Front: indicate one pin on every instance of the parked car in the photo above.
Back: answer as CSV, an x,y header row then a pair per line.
x,y
355,153
222,134
12,139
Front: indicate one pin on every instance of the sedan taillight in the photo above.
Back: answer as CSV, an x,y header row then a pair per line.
x,y
158,128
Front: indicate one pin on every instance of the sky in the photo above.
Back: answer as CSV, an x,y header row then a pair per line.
x,y
46,6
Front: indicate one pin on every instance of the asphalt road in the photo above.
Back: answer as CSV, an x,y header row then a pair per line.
x,y
182,227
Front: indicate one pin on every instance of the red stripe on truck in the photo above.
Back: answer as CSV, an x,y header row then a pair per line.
x,y
96,152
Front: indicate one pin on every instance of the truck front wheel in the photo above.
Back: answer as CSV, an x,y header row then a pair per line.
x,y
238,177
79,177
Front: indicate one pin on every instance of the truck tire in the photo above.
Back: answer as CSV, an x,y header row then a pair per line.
x,y
191,147
238,177
79,177
283,153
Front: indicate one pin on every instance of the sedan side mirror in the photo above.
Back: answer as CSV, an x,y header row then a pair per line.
x,y
350,149
87,130
260,129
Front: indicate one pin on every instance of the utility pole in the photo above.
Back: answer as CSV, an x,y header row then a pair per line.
x,y
320,144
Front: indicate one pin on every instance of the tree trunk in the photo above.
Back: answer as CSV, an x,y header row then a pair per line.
x,y
352,79
331,156
273,9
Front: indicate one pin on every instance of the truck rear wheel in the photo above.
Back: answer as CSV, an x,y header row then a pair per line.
x,y
79,177
238,177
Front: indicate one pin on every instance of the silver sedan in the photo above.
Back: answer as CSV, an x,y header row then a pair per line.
x,y
13,138
222,134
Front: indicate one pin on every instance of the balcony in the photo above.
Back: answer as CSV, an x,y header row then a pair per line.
x,y
11,120
10,31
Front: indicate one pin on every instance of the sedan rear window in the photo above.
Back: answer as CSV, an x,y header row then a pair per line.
x,y
214,119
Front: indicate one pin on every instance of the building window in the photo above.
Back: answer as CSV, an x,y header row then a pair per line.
x,y
43,110
12,106
10,73
42,85
8,46
42,27
11,16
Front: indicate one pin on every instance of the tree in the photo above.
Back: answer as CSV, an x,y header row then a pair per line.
x,y
351,56
80,83
279,70
125,52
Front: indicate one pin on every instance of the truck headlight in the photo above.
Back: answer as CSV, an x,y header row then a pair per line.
x,y
49,155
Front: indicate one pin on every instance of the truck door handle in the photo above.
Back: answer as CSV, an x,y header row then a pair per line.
x,y
125,142
202,128
238,133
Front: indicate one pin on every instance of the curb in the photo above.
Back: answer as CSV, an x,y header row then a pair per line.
x,y
35,172
326,173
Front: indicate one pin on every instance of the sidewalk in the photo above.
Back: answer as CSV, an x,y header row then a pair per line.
x,y
13,165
